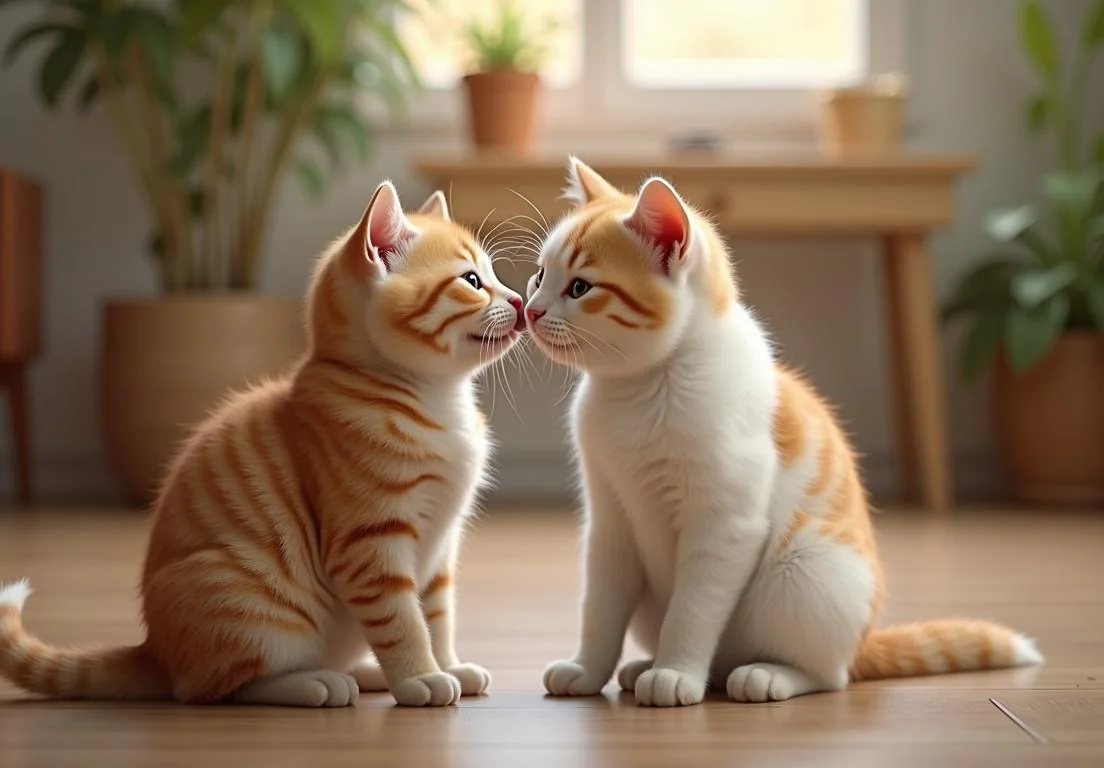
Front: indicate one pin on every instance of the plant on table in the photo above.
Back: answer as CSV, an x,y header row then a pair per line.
x,y
503,82
505,42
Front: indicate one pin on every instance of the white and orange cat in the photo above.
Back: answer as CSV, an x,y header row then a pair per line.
x,y
315,518
726,522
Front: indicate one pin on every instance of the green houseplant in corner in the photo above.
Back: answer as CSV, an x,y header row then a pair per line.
x,y
215,102
1036,306
504,85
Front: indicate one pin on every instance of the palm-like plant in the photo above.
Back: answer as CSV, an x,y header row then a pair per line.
x,y
1048,276
216,100
507,42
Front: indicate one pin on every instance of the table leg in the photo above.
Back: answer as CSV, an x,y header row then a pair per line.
x,y
896,346
14,378
917,369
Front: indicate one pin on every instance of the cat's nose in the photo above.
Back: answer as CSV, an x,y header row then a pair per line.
x,y
519,321
534,315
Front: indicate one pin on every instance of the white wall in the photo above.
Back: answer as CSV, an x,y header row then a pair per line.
x,y
821,302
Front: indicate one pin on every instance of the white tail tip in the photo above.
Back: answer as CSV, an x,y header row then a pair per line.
x,y
15,595
1025,652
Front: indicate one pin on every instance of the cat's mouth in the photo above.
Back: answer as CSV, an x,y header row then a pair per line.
x,y
510,336
553,347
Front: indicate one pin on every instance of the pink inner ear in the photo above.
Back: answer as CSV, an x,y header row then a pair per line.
x,y
660,217
388,231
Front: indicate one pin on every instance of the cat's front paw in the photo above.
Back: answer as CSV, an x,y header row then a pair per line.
x,y
569,678
669,688
436,689
474,679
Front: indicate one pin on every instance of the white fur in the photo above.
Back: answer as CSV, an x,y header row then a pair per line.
x,y
684,501
1025,653
15,594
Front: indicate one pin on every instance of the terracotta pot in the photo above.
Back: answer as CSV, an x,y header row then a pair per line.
x,y
1050,424
502,109
168,361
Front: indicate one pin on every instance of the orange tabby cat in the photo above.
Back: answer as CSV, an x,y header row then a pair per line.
x,y
315,517
727,524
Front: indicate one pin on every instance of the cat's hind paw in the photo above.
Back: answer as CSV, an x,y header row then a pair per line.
x,y
768,682
474,679
569,678
631,672
668,688
436,689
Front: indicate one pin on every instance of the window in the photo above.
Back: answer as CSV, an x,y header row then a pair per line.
x,y
722,65
743,43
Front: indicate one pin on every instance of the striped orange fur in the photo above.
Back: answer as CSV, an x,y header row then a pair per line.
x,y
305,521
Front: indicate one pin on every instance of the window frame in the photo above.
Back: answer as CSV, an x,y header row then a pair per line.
x,y
602,101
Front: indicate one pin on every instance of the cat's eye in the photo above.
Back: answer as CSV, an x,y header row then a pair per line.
x,y
473,280
578,287
540,276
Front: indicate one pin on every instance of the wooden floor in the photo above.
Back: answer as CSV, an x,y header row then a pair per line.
x,y
1042,572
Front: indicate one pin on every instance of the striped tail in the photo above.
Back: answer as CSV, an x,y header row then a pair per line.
x,y
941,646
114,673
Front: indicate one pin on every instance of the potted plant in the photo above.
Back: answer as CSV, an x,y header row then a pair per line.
x,y
504,86
214,101
1036,306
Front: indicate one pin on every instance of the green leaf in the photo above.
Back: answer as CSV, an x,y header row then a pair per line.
x,y
1038,38
197,15
1092,33
112,29
196,201
322,22
193,133
986,284
1096,299
1008,226
982,342
1094,230
1031,288
339,119
329,140
158,43
60,64
311,178
28,36
1038,114
283,57
1098,150
89,93
1073,191
1032,333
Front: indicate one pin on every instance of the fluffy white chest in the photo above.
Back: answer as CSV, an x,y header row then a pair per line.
x,y
682,442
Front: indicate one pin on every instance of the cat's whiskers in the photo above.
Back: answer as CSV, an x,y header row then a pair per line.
x,y
482,223
577,329
508,222
537,210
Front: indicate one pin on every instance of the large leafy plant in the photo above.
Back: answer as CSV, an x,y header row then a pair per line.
x,y
215,101
1047,275
507,42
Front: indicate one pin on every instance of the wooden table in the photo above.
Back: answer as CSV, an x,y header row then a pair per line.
x,y
896,199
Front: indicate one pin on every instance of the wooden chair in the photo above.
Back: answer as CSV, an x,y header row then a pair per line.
x,y
20,308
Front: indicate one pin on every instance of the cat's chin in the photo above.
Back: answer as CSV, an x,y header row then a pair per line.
x,y
495,343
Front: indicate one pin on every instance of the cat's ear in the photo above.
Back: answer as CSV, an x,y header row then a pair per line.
x,y
584,184
436,206
384,231
661,219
